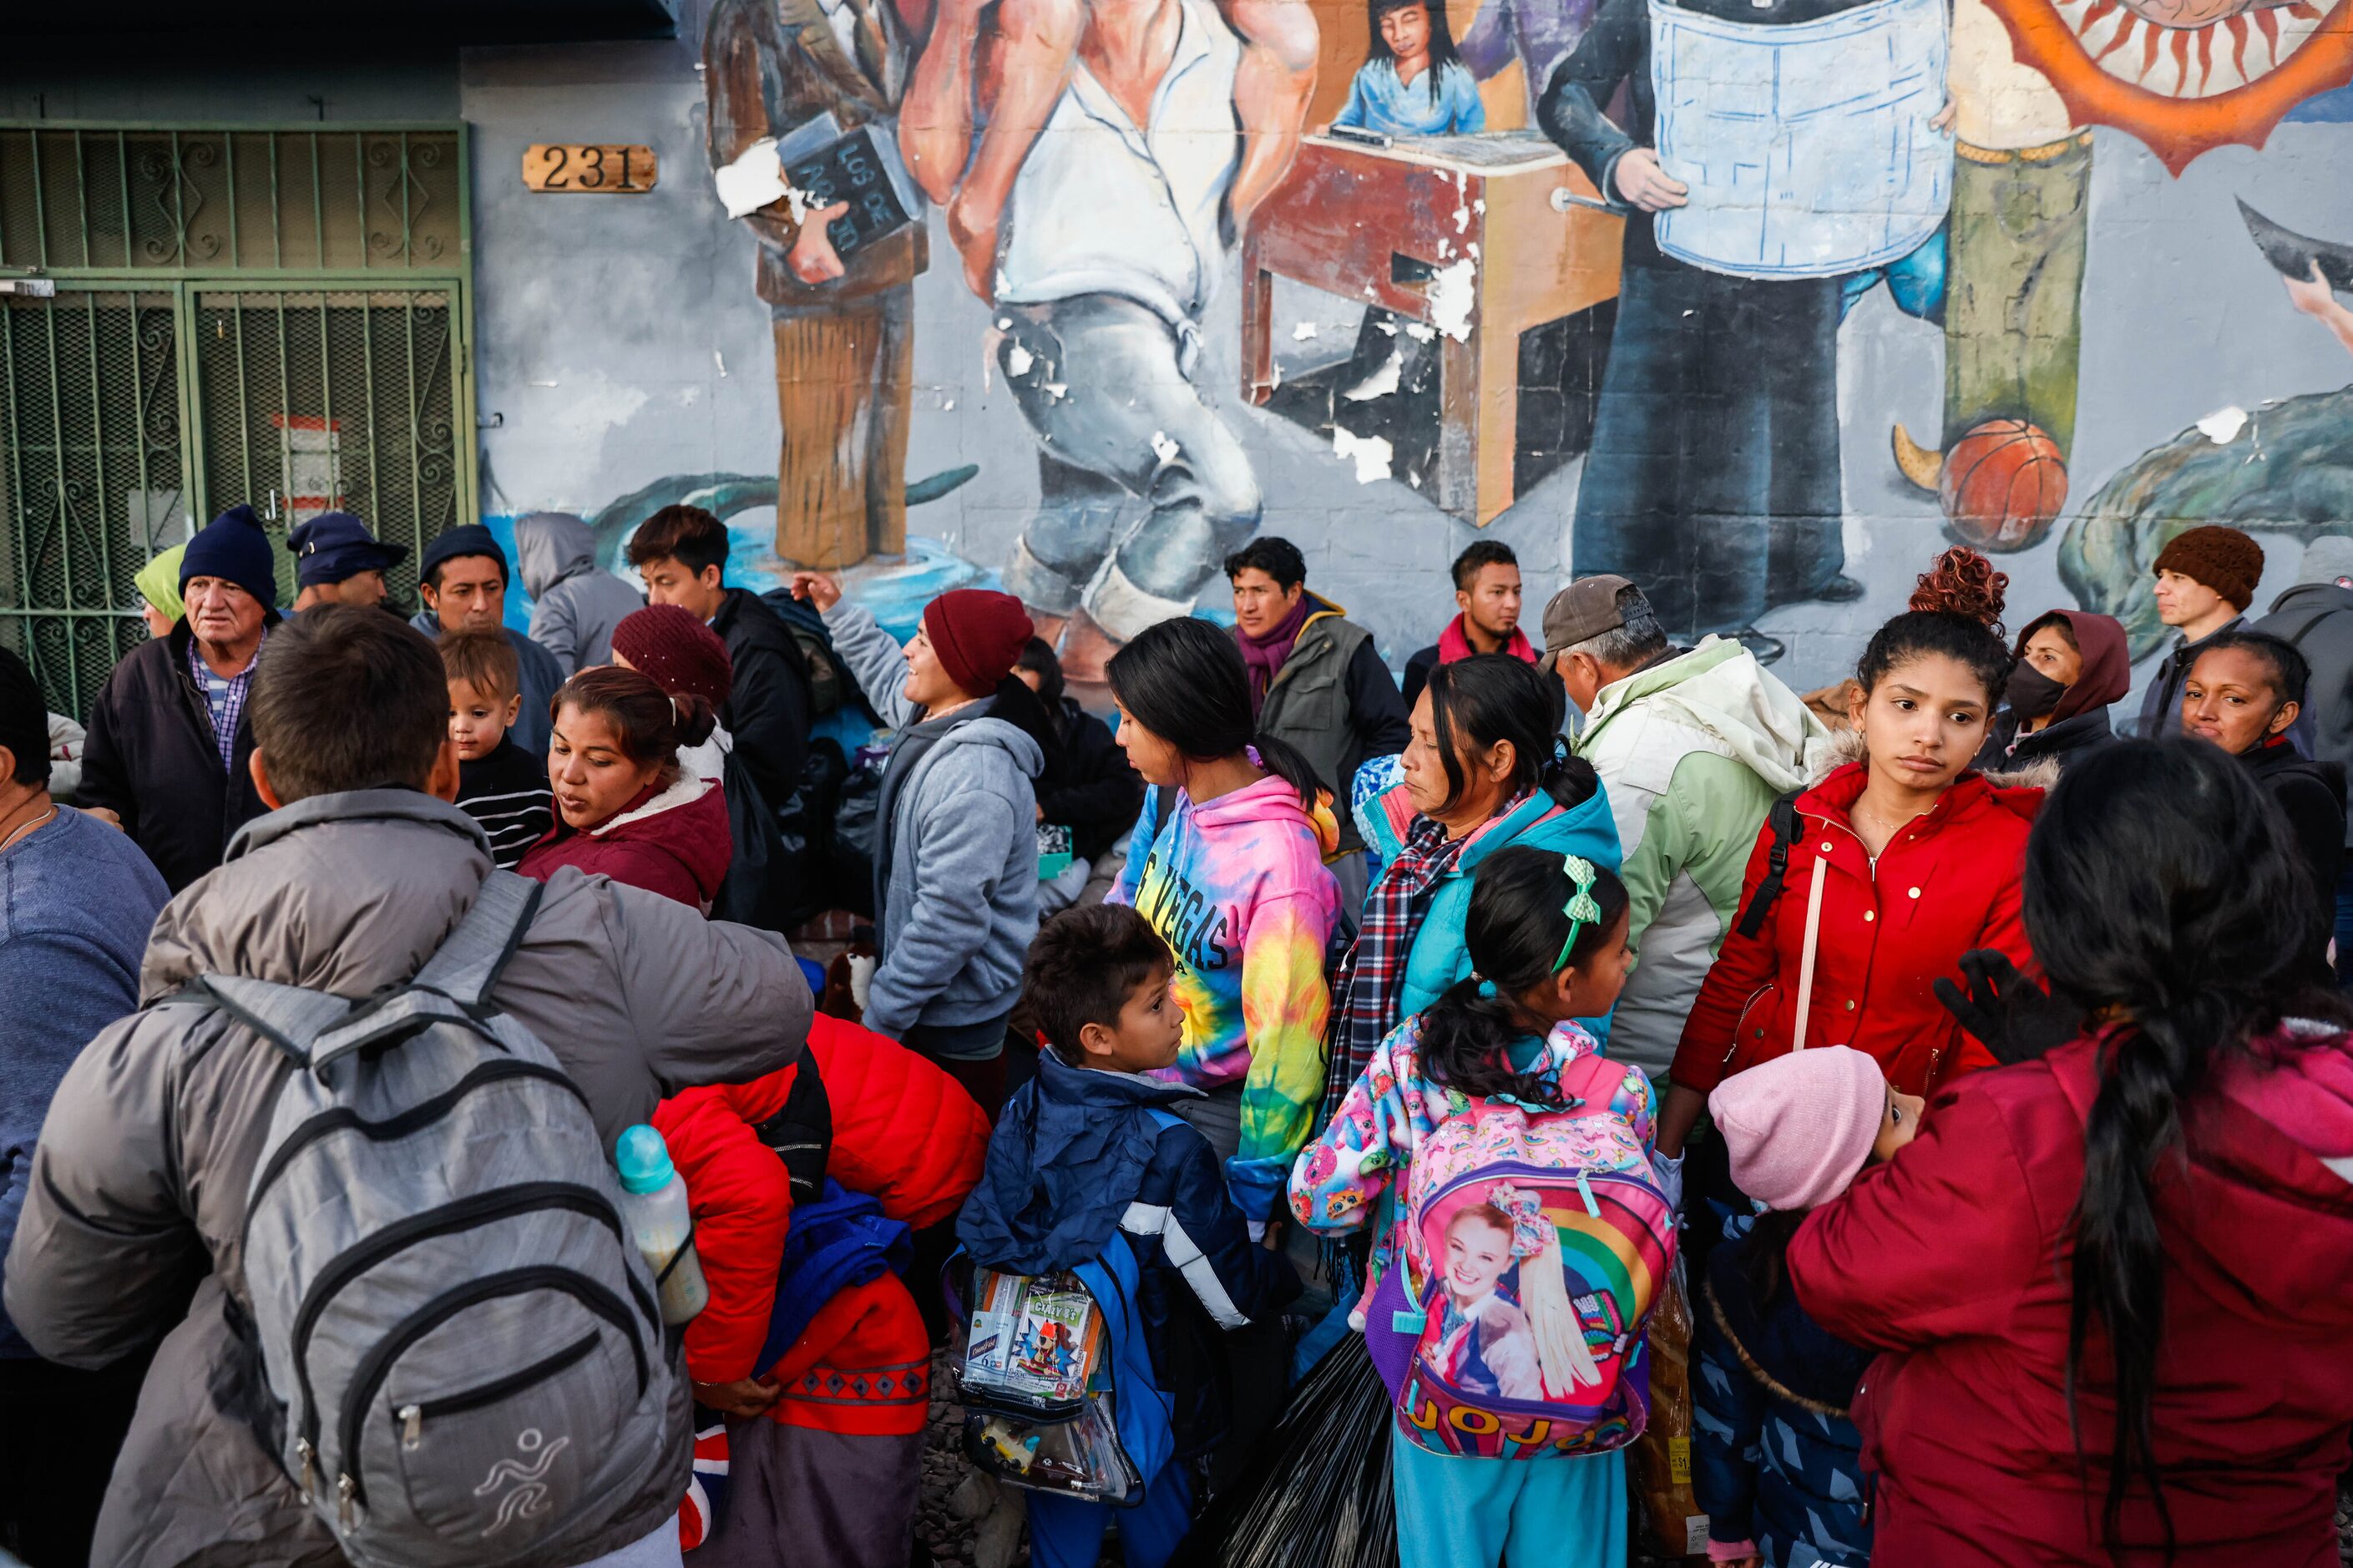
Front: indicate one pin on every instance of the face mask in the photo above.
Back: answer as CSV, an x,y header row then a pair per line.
x,y
2033,694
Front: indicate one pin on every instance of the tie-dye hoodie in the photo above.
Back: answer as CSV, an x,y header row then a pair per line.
x,y
1237,888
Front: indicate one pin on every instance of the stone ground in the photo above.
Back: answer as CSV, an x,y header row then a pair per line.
x,y
944,1529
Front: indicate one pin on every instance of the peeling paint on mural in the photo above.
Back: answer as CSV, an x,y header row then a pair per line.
x,y
1315,269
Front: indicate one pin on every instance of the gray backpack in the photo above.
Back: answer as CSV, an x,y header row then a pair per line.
x,y
461,1345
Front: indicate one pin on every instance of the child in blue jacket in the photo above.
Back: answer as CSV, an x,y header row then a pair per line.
x,y
1777,1461
1077,1159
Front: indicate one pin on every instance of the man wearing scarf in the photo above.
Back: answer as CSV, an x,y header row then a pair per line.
x,y
1316,681
1487,597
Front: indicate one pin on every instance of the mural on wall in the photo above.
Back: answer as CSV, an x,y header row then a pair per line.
x,y
2184,77
1122,142
2285,469
1752,304
803,78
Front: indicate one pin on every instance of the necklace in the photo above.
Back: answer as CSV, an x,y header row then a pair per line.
x,y
1893,828
24,828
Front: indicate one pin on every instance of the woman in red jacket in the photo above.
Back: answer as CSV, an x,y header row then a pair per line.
x,y
2115,1285
825,1440
623,807
1915,860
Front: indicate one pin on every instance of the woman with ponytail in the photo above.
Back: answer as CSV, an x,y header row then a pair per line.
x,y
2116,1282
1227,864
1545,935
1483,772
624,806
1887,871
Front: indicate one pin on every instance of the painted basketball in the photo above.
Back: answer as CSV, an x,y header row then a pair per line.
x,y
2004,483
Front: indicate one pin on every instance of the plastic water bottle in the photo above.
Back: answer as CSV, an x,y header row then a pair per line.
x,y
653,1202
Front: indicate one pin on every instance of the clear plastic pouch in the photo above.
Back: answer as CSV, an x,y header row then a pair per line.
x,y
1079,1457
1035,1388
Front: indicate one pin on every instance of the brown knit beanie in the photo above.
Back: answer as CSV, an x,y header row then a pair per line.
x,y
2222,557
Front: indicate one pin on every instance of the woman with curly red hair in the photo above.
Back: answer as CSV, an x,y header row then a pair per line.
x,y
1892,868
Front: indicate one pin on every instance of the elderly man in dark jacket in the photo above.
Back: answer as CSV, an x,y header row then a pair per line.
x,y
168,743
361,871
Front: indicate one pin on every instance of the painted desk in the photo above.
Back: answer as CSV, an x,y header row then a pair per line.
x,y
1459,231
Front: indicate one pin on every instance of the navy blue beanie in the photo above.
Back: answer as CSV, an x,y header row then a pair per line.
x,y
465,539
234,548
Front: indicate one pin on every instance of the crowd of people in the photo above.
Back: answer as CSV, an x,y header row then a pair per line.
x,y
1973,1079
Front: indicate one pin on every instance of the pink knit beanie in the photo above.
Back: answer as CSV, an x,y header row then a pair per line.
x,y
1800,1126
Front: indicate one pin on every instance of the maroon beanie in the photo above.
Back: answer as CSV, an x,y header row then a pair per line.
x,y
676,651
978,634
2222,557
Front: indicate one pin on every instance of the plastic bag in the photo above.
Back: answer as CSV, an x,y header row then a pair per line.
x,y
1319,1493
1079,1457
1660,1462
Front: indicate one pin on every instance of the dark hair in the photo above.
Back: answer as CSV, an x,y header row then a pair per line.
x,y
687,534
1956,612
1083,966
1027,711
1442,51
347,698
2052,620
1278,558
24,720
2162,882
485,660
1488,697
1037,658
1184,680
649,722
2291,672
1517,923
1480,553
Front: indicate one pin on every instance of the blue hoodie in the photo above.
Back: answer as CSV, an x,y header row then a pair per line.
x,y
1079,1156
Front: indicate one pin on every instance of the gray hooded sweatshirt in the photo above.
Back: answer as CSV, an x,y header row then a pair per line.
x,y
148,1150
573,605
956,889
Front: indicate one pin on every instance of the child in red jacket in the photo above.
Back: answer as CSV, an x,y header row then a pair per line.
x,y
825,1381
1903,862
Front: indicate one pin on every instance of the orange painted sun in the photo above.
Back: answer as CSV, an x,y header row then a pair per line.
x,y
2184,75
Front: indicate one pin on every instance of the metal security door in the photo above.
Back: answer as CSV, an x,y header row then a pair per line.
x,y
197,316
92,482
319,400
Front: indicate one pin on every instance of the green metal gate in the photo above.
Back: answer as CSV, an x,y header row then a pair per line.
x,y
279,316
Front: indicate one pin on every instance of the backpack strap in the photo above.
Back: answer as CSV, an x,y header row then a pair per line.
x,y
288,1016
455,983
314,1027
472,957
1783,820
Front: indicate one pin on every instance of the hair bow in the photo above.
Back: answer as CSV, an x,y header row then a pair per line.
x,y
1582,909
1530,1230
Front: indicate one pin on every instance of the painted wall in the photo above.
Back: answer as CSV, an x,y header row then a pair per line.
x,y
629,359
625,356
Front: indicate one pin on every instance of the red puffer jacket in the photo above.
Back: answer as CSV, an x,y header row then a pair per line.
x,y
1954,1259
1946,884
905,1133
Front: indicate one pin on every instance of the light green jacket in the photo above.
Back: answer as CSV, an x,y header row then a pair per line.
x,y
1692,753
